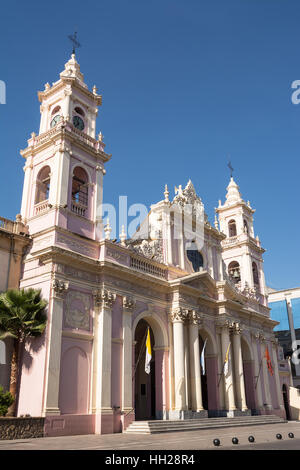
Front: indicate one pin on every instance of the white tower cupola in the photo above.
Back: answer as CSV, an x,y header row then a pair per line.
x,y
241,251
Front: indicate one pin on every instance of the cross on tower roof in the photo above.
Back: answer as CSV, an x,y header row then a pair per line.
x,y
73,39
230,168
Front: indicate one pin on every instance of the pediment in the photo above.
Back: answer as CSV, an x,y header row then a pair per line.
x,y
203,286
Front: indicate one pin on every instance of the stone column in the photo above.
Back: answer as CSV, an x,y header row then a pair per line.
x,y
247,269
168,236
26,200
178,317
257,372
238,367
127,360
59,183
59,288
219,370
228,380
195,367
66,104
102,361
273,354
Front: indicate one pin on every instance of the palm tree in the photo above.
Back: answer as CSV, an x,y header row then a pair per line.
x,y
22,314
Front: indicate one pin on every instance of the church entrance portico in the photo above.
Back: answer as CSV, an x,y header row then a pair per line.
x,y
150,389
144,384
209,369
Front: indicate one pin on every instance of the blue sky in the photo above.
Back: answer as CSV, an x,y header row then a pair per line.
x,y
185,83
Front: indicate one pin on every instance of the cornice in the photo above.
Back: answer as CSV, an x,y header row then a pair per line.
x,y
57,136
61,84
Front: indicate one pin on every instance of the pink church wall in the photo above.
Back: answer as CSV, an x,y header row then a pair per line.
x,y
69,425
75,373
33,362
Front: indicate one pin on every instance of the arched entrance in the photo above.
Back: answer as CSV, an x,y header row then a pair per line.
x,y
144,392
151,391
248,370
208,360
286,402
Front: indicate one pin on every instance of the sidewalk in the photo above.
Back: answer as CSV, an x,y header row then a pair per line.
x,y
265,438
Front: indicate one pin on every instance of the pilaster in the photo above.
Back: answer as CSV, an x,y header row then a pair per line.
x,y
58,290
103,300
238,366
127,398
195,321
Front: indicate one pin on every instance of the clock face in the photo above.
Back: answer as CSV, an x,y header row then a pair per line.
x,y
78,123
55,120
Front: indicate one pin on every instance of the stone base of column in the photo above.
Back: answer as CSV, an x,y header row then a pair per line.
x,y
52,411
187,414
104,422
233,413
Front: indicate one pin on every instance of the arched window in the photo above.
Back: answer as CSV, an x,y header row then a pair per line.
x,y
234,271
79,111
42,185
79,191
195,257
246,229
255,274
55,110
232,228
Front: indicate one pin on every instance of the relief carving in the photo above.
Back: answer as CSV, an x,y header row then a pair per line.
x,y
77,314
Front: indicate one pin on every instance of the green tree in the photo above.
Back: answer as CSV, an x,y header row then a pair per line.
x,y
22,315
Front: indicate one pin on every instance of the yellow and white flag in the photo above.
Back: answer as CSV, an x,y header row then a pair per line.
x,y
226,362
148,353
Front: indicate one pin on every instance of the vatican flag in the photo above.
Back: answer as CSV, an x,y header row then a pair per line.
x,y
226,362
148,353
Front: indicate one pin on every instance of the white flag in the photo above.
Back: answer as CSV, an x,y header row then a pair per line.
x,y
226,363
202,357
148,353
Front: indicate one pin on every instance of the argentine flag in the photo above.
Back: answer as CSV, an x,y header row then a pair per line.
x,y
148,353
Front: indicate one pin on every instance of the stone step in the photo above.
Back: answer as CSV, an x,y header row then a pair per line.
x,y
160,426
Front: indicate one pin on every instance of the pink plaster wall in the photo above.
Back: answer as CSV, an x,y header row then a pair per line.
x,y
75,374
32,368
69,425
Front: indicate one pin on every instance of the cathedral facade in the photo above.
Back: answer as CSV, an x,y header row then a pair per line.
x,y
199,289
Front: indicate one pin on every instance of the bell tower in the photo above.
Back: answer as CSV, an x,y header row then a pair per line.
x,y
63,184
241,251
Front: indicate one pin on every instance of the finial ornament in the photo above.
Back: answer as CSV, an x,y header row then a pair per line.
x,y
216,222
123,235
73,39
107,230
166,193
100,137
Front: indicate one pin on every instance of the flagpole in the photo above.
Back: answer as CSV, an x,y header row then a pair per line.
x,y
258,373
136,364
140,354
